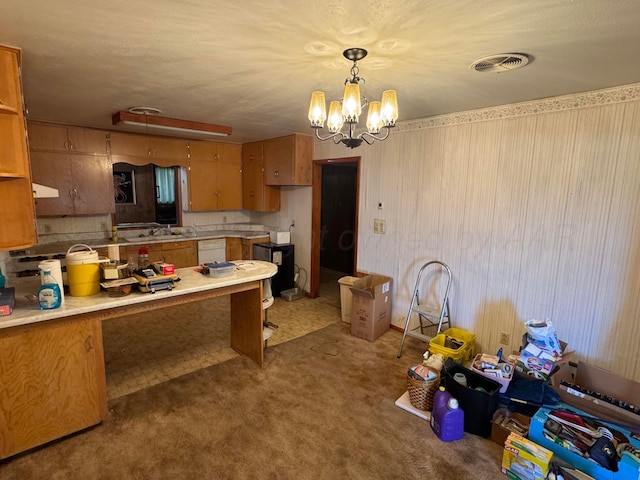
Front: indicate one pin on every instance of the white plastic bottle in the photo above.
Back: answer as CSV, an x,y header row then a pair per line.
x,y
49,292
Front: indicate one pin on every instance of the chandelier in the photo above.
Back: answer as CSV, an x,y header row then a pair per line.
x,y
381,114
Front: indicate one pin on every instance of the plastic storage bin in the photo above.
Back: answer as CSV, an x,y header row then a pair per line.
x,y
222,269
468,338
504,382
345,297
478,400
438,345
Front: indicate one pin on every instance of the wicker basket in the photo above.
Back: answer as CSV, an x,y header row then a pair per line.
x,y
421,392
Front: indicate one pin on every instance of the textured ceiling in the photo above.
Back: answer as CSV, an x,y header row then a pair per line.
x,y
252,64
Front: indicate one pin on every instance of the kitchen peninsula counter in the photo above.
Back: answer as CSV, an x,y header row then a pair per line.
x,y
53,372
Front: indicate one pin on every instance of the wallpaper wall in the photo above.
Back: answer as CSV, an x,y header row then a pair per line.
x,y
536,209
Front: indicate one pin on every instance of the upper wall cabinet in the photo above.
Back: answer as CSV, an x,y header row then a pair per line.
x,y
215,151
84,183
139,149
215,176
255,194
287,160
62,138
18,217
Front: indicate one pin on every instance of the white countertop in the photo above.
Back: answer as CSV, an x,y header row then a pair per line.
x,y
26,312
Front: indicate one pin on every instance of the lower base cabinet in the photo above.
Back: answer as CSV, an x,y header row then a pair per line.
x,y
52,382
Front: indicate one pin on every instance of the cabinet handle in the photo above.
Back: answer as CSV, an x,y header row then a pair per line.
x,y
66,145
75,192
251,193
276,173
71,192
150,152
88,343
71,146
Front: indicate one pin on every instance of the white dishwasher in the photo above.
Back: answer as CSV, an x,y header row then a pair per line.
x,y
210,251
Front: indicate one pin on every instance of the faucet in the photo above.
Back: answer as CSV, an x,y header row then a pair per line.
x,y
166,229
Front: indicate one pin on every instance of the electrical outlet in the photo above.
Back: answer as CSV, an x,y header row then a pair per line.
x,y
379,225
47,228
103,226
504,338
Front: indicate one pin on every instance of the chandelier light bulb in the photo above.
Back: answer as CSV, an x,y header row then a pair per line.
x,y
389,110
374,121
317,110
351,103
334,121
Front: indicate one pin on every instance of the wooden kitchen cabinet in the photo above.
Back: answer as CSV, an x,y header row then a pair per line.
x,y
179,253
138,148
55,391
247,246
214,185
84,183
255,194
215,151
18,219
287,160
233,248
62,138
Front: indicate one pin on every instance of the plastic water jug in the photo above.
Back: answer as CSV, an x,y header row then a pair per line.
x,y
447,418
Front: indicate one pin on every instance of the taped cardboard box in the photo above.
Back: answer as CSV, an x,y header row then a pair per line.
x,y
598,392
371,306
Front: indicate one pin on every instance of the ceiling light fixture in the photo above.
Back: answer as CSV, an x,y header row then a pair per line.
x,y
148,117
381,114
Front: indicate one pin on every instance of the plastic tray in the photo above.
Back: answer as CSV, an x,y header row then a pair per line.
x,y
221,269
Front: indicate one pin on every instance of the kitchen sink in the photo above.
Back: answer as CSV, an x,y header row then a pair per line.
x,y
161,237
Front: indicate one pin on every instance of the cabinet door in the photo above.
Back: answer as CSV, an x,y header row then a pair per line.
x,y
129,144
47,136
180,254
54,170
87,140
92,184
202,196
203,150
233,248
57,383
255,194
228,185
229,152
172,148
288,160
278,160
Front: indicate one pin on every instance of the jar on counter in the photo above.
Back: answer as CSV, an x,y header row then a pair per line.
x,y
143,258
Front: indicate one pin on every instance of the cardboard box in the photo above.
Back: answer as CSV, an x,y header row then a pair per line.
x,y
523,458
279,237
371,306
506,422
7,300
164,268
628,468
572,382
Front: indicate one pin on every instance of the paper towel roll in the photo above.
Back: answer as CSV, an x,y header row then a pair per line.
x,y
56,273
113,252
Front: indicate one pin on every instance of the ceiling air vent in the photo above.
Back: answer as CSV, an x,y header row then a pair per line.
x,y
500,63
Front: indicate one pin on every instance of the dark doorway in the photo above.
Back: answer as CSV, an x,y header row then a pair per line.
x,y
334,222
338,217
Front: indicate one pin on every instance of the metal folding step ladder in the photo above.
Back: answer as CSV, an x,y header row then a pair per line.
x,y
426,314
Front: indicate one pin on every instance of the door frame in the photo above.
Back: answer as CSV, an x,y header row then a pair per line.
x,y
316,210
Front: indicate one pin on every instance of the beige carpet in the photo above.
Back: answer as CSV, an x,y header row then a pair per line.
x,y
321,407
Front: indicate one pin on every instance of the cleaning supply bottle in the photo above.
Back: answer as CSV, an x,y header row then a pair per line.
x,y
447,418
49,292
3,279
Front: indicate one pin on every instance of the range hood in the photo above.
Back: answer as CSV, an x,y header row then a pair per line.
x,y
41,191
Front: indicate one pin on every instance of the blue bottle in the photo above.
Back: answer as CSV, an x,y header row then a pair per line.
x,y
3,279
447,418
49,292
